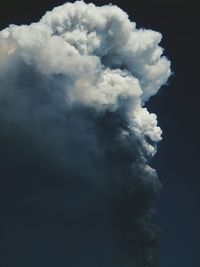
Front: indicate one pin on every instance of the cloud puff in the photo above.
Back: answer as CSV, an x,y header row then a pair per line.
x,y
74,85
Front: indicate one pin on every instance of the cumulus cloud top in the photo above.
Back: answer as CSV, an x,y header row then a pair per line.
x,y
100,51
77,81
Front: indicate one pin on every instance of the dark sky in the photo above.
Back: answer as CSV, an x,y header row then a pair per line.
x,y
177,160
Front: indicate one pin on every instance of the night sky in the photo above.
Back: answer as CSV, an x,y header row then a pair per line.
x,y
177,159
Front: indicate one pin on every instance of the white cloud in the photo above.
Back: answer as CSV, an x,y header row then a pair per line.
x,y
100,51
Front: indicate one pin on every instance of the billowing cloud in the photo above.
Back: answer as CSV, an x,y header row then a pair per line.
x,y
78,136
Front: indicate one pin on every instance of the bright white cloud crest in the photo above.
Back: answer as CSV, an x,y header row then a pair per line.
x,y
101,52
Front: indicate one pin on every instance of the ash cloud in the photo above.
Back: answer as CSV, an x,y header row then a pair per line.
x,y
76,139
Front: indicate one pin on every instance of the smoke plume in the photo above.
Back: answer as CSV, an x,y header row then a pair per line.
x,y
76,139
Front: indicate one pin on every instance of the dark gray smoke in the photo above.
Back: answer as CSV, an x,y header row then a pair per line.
x,y
76,139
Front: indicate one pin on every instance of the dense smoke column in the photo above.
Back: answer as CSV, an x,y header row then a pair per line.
x,y
135,186
76,138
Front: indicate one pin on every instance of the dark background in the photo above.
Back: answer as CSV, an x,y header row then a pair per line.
x,y
177,160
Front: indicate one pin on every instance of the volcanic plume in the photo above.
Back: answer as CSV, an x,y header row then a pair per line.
x,y
76,139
